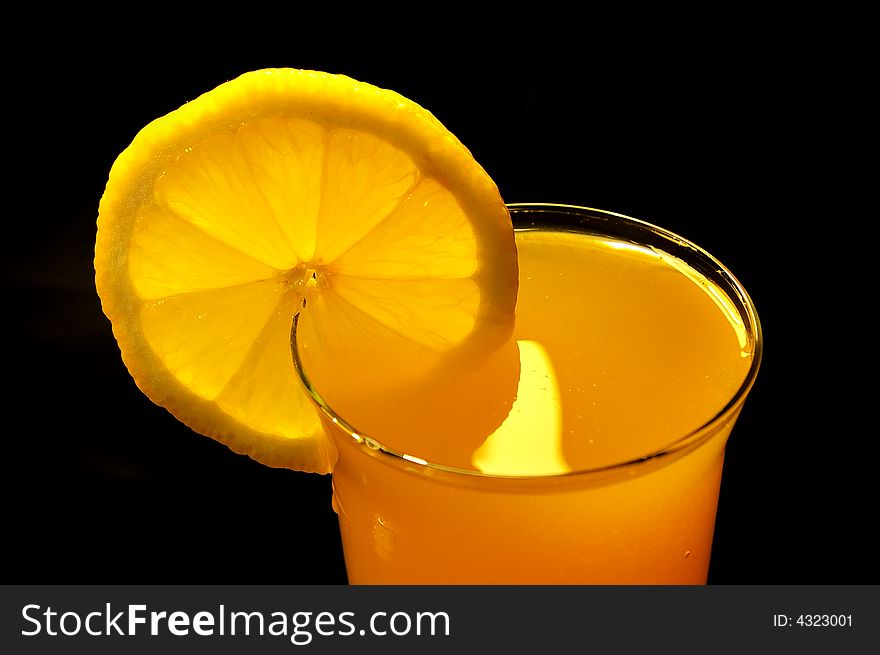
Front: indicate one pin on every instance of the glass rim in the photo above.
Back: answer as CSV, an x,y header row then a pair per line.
x,y
696,437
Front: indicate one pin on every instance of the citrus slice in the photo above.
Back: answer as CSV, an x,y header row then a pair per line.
x,y
286,191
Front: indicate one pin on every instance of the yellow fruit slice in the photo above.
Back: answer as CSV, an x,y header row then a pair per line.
x,y
284,191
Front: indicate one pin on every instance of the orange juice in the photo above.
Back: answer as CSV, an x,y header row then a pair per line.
x,y
588,451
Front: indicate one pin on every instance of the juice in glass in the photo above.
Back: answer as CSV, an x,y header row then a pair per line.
x,y
587,451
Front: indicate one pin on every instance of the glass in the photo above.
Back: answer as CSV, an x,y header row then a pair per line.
x,y
642,512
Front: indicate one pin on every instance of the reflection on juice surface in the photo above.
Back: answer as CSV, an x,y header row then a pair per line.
x,y
644,348
619,351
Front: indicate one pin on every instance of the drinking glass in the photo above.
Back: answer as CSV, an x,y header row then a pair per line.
x,y
646,517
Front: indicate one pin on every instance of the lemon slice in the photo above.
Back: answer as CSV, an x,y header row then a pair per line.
x,y
287,191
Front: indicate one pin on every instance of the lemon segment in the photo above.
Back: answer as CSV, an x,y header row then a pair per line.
x,y
437,314
406,246
260,393
185,332
170,256
377,176
215,186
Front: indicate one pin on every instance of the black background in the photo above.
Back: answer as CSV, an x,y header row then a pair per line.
x,y
728,139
